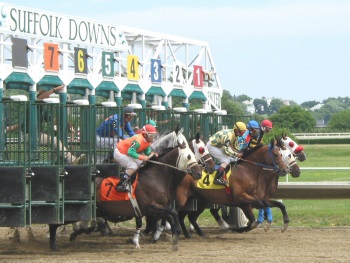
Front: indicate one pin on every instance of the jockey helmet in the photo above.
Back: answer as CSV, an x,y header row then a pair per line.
x,y
267,124
152,122
129,111
253,125
149,130
240,127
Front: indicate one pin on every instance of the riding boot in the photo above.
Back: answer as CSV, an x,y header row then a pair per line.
x,y
219,176
123,185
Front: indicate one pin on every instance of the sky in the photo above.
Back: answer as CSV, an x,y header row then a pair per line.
x,y
286,49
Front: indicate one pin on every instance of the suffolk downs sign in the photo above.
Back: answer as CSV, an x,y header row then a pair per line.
x,y
35,23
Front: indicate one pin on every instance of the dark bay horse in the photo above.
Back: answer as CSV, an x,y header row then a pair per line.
x,y
156,188
203,157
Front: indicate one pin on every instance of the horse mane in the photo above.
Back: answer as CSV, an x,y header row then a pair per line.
x,y
247,151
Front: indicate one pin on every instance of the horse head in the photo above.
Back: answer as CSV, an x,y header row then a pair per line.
x,y
275,155
187,160
202,155
297,150
289,159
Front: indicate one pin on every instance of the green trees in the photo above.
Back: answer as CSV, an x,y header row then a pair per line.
x,y
294,118
340,121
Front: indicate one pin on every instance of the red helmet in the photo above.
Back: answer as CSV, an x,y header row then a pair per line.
x,y
266,124
149,129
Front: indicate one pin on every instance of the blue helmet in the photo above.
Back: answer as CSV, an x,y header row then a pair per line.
x,y
253,124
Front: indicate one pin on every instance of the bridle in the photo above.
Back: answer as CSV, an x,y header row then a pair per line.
x,y
201,158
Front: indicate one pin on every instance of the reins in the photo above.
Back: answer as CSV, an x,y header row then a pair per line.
x,y
164,164
265,166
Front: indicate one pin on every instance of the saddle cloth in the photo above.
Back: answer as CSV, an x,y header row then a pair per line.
x,y
207,180
109,193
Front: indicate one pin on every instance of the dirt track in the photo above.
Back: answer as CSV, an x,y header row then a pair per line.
x,y
295,245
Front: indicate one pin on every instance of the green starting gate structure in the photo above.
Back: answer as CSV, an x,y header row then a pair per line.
x,y
39,185
103,67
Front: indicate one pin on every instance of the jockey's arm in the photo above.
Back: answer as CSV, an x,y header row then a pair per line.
x,y
133,151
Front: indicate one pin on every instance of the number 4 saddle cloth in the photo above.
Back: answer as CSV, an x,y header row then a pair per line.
x,y
109,193
207,180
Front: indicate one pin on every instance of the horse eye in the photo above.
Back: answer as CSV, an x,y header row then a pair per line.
x,y
201,150
291,144
189,157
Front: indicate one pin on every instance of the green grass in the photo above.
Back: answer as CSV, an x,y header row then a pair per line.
x,y
313,213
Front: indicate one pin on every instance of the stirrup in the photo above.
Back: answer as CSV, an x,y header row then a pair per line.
x,y
219,181
124,187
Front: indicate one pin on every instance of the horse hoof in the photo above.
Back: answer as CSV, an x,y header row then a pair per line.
x,y
284,228
175,248
137,246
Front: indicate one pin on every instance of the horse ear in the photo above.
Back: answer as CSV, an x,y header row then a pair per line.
x,y
197,137
181,145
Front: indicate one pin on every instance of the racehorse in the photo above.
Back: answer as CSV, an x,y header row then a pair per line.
x,y
297,150
204,158
157,182
287,158
249,181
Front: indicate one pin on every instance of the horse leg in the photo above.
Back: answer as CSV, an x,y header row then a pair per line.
x,y
103,227
151,225
52,230
159,229
222,223
248,212
81,228
282,207
136,238
182,214
193,216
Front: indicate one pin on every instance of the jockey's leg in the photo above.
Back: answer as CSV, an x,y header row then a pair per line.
x,y
219,177
123,185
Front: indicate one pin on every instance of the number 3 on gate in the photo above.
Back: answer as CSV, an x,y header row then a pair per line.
x,y
133,68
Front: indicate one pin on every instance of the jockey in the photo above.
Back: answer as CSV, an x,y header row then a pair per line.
x,y
115,126
252,135
225,146
131,152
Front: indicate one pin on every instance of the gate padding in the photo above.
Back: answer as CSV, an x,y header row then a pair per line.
x,y
44,199
12,197
78,193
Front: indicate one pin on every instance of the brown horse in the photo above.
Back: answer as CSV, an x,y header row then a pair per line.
x,y
156,188
249,182
204,158
184,193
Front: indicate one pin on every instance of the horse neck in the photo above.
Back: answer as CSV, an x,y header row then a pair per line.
x,y
258,155
162,175
167,141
